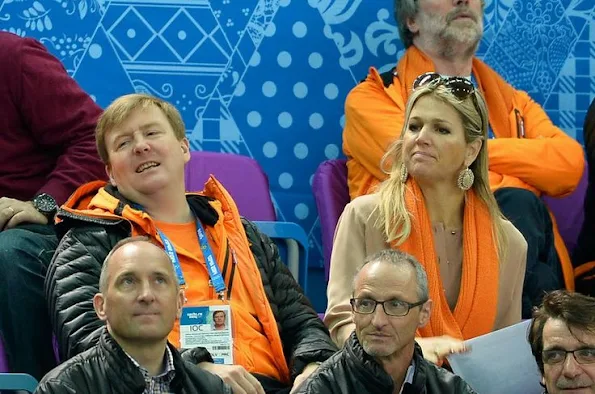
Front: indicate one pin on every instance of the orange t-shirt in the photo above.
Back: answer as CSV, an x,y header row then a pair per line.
x,y
252,349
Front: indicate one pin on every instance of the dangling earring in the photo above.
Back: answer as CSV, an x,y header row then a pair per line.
x,y
404,174
465,179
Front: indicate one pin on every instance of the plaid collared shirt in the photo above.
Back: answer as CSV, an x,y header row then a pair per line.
x,y
158,384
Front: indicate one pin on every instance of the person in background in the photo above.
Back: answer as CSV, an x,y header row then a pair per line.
x,y
528,155
562,339
583,256
390,302
47,126
222,260
437,206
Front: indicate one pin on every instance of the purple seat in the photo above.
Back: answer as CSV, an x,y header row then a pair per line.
x,y
250,182
331,194
247,183
3,361
569,212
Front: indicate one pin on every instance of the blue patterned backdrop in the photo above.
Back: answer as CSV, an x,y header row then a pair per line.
x,y
268,78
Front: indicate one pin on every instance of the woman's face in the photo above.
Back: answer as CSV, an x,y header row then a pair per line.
x,y
434,146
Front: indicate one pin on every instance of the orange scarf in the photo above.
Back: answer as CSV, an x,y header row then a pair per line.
x,y
475,312
497,92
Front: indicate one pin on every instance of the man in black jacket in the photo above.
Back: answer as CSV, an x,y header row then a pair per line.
x,y
275,338
140,300
390,302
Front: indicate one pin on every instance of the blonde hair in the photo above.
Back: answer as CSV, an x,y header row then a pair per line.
x,y
392,215
123,106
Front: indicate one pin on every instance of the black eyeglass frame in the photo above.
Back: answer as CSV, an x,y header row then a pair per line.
x,y
574,354
409,306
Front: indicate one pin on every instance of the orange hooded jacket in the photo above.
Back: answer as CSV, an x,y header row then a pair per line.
x,y
257,342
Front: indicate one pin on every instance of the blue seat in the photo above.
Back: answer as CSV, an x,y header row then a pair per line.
x,y
17,381
296,241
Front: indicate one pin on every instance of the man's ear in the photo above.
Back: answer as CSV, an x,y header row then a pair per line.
x,y
412,25
99,306
108,171
185,145
180,303
425,313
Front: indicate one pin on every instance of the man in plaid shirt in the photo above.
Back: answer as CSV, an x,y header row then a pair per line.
x,y
139,300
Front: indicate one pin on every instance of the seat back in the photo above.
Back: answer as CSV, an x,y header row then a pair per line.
x,y
17,382
331,194
242,176
569,212
3,361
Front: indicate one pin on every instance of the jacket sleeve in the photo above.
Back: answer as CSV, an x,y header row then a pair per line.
x,y
53,386
61,117
372,122
305,338
349,252
547,158
71,283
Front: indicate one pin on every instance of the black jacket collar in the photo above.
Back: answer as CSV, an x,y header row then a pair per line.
x,y
119,368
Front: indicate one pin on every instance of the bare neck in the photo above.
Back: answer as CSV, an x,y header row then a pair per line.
x,y
449,59
168,207
396,365
445,204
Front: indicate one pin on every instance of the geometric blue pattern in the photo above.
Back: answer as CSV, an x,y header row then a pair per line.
x,y
268,78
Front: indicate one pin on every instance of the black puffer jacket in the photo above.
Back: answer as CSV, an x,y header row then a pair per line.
x,y
105,368
352,371
73,279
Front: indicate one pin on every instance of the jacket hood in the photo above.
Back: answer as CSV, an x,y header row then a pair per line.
x,y
102,203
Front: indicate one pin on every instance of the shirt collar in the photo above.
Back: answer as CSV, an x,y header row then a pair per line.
x,y
408,375
167,367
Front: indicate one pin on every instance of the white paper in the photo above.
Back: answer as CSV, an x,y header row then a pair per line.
x,y
499,362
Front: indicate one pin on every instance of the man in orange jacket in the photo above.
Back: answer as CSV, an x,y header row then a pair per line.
x,y
275,338
529,156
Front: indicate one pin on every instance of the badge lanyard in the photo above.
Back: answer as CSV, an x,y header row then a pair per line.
x,y
212,267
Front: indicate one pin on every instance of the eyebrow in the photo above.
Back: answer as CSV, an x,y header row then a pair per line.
x,y
435,120
559,347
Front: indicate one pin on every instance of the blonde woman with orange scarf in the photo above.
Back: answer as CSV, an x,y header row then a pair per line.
x,y
437,206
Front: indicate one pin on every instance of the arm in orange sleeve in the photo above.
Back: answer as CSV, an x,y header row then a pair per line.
x,y
373,120
547,158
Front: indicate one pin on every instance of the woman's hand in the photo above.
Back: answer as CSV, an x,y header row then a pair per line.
x,y
436,348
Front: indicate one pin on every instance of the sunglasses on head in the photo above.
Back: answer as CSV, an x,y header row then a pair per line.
x,y
460,87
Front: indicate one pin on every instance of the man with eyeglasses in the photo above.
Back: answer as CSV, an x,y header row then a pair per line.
x,y
390,302
528,155
562,338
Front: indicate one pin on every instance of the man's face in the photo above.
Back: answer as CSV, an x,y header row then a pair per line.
x,y
382,335
144,154
449,22
219,318
142,300
567,376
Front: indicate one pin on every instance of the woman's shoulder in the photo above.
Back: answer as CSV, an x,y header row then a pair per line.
x,y
363,204
515,237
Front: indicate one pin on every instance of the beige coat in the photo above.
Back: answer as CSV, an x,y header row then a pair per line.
x,y
356,237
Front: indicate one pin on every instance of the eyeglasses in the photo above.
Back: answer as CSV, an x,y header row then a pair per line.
x,y
393,307
556,356
460,87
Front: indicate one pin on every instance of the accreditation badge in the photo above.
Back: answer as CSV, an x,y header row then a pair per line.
x,y
208,326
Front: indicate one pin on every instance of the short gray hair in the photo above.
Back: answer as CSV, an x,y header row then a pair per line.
x,y
103,277
404,10
398,259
